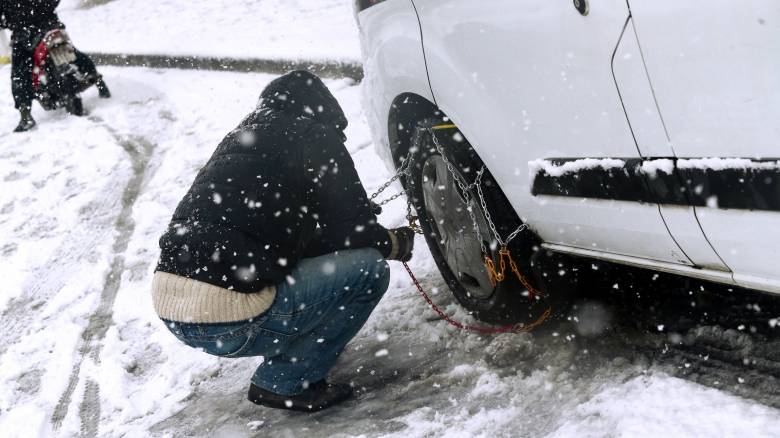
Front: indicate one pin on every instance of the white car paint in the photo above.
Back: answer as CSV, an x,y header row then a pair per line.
x,y
532,82
393,63
715,70
647,127
534,79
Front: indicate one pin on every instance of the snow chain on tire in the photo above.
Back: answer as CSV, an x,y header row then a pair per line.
x,y
496,274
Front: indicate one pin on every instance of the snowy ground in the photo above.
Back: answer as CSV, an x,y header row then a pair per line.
x,y
81,351
312,30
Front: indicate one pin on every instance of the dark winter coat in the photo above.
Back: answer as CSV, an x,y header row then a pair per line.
x,y
253,210
20,14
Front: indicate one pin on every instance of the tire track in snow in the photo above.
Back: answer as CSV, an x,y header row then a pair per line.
x,y
744,364
707,334
140,152
89,410
77,245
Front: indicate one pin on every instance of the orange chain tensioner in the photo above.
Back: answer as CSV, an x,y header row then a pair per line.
x,y
497,276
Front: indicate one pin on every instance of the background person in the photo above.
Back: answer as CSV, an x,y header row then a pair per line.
x,y
29,20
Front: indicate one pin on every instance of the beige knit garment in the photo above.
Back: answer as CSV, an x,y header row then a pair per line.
x,y
183,299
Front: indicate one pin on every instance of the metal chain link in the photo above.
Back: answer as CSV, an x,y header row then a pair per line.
x,y
512,235
467,196
473,215
403,169
465,190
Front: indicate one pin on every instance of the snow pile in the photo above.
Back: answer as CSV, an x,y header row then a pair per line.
x,y
726,163
557,170
659,405
652,167
313,30
649,167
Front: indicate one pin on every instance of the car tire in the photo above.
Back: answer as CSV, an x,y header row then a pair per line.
x,y
449,230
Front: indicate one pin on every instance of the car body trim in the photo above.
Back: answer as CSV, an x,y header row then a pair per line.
x,y
724,183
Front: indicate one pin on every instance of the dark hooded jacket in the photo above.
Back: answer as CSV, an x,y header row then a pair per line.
x,y
22,14
278,188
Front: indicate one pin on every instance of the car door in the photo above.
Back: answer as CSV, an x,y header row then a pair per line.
x,y
647,127
530,84
715,71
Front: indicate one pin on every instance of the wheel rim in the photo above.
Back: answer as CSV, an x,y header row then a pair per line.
x,y
453,228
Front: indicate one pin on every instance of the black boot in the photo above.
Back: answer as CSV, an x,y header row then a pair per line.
x,y
75,106
103,90
27,122
318,396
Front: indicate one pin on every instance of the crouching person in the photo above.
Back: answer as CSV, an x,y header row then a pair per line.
x,y
275,251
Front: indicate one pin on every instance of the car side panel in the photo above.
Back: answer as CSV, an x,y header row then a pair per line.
x,y
532,79
637,98
749,242
715,69
648,129
393,64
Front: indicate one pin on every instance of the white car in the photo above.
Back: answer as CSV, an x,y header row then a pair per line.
x,y
642,133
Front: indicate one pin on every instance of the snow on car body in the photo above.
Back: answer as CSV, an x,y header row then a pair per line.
x,y
662,86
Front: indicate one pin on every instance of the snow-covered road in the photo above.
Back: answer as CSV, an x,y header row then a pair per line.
x,y
82,352
314,30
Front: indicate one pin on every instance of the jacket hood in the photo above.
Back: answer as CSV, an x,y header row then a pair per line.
x,y
303,94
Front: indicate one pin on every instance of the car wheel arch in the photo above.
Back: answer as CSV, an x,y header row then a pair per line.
x,y
406,111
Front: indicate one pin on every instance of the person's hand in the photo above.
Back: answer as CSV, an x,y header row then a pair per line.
x,y
402,240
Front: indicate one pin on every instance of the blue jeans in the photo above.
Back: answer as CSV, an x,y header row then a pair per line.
x,y
317,311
